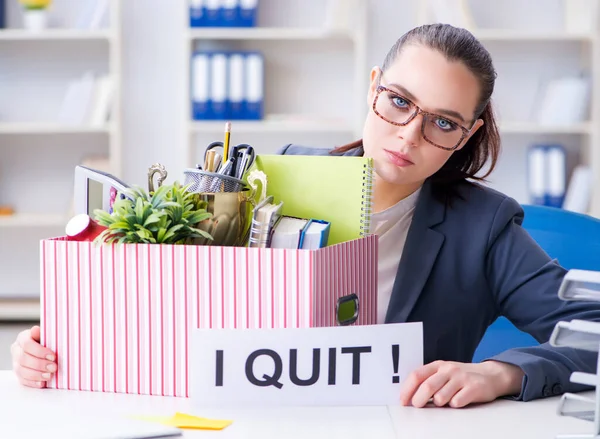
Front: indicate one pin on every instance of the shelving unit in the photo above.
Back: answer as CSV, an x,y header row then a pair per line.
x,y
49,128
39,154
55,35
24,220
274,126
584,335
519,49
534,128
490,35
279,40
268,33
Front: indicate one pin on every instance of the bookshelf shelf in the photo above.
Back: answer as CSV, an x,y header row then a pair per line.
x,y
266,33
490,35
22,220
20,310
534,128
274,126
49,128
56,35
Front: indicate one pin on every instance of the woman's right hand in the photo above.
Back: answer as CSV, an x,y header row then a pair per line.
x,y
33,363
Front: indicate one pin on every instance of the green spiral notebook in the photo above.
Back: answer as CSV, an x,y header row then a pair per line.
x,y
337,189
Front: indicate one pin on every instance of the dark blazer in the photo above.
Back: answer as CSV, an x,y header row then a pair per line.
x,y
465,265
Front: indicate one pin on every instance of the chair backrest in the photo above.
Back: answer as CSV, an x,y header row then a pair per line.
x,y
573,239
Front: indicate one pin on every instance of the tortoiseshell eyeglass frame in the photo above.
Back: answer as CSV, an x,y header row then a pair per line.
x,y
418,110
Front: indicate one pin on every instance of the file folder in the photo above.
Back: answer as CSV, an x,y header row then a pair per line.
x,y
580,285
200,86
218,86
230,13
247,13
212,12
237,102
556,159
2,14
536,173
254,86
197,17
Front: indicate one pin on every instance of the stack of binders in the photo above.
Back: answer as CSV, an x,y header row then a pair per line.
x,y
227,85
223,13
585,335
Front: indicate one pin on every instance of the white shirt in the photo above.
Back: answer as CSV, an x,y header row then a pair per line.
x,y
391,226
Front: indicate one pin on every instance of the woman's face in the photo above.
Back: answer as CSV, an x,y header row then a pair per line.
x,y
424,78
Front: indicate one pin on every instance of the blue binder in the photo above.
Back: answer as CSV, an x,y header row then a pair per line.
x,y
536,174
254,73
2,14
218,80
556,165
236,92
199,85
230,13
212,13
197,14
247,13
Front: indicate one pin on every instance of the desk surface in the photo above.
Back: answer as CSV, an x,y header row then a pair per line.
x,y
55,409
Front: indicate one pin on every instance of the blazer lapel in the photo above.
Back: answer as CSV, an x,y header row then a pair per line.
x,y
419,254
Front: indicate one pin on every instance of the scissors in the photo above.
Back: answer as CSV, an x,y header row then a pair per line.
x,y
242,157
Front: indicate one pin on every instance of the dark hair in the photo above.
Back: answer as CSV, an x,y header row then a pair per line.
x,y
483,147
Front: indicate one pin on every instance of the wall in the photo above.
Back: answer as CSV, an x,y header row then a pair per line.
x,y
154,99
154,96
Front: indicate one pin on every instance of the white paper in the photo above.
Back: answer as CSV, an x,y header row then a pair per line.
x,y
257,367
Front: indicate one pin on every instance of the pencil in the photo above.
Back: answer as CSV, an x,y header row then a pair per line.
x,y
226,143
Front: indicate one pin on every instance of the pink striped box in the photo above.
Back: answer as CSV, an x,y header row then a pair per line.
x,y
118,316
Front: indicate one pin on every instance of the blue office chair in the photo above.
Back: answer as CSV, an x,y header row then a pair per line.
x,y
573,239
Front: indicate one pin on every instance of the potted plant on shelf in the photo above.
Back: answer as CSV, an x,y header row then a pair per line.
x,y
35,14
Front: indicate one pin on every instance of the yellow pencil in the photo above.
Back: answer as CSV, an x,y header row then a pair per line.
x,y
226,143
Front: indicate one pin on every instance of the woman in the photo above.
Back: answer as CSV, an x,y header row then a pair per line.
x,y
452,253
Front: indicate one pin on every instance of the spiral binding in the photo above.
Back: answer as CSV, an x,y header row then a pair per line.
x,y
367,199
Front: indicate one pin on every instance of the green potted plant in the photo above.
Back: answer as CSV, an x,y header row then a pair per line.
x,y
167,216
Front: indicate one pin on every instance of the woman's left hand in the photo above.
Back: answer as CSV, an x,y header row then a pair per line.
x,y
459,384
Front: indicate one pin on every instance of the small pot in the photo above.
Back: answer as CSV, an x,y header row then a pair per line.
x,y
35,19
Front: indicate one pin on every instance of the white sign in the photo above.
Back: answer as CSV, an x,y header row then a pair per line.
x,y
350,365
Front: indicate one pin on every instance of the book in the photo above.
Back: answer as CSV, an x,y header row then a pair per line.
x,y
288,232
264,217
334,189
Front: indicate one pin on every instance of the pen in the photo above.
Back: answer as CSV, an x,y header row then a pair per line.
x,y
226,167
242,164
216,162
226,142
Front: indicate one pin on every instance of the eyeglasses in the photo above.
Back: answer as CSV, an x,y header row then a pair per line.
x,y
437,130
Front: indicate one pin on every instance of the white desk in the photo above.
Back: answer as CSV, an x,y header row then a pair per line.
x,y
20,407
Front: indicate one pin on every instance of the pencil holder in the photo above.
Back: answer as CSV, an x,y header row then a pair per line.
x,y
229,221
211,182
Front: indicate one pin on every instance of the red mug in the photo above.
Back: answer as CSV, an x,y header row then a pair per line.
x,y
83,228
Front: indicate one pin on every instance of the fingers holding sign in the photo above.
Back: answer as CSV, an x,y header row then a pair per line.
x,y
460,384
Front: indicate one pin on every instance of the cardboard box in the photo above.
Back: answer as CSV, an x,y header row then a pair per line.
x,y
118,316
